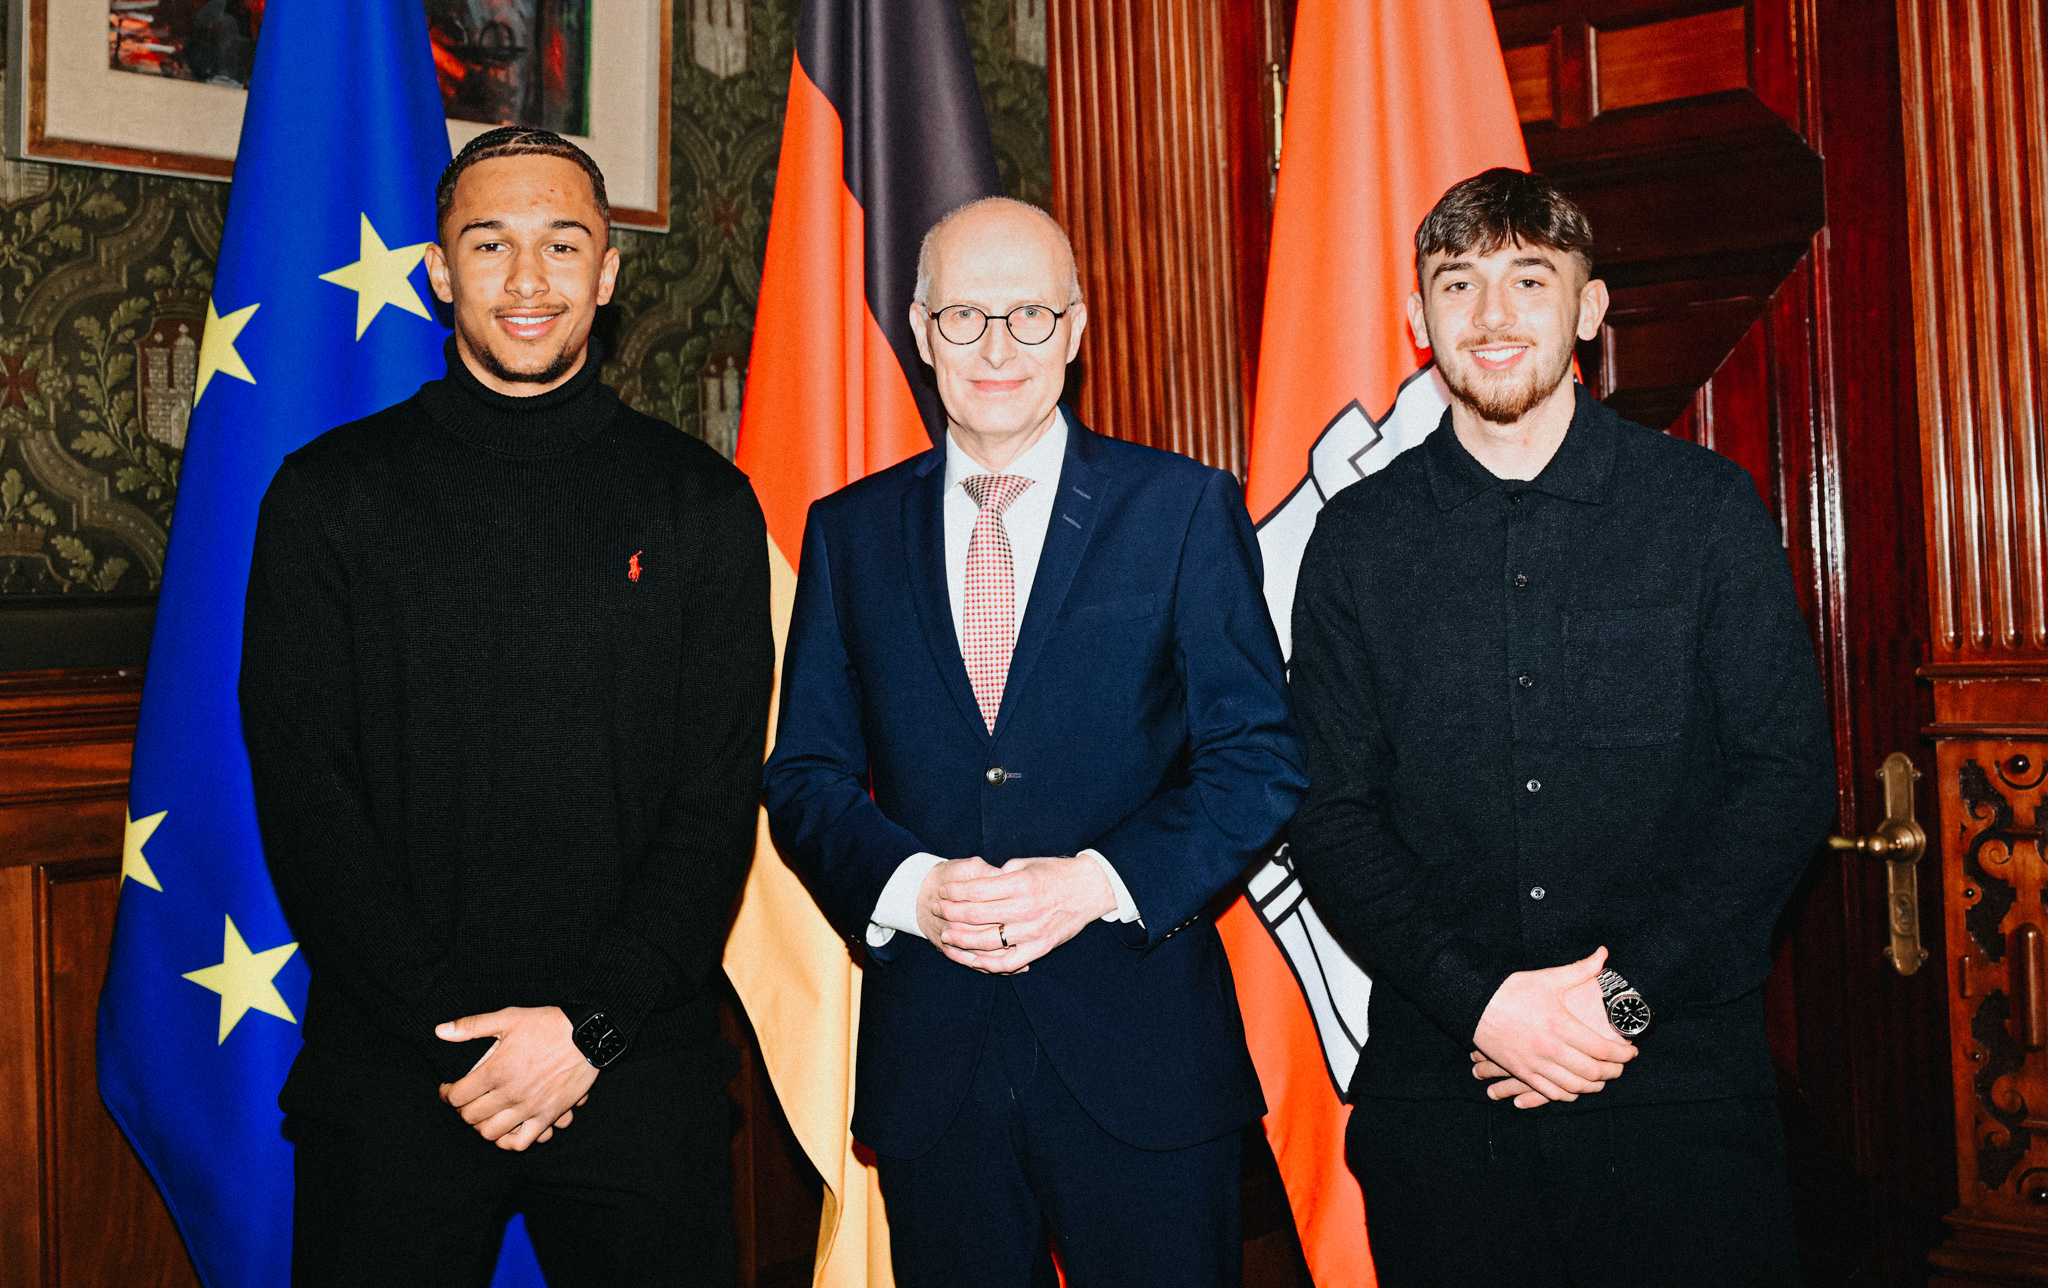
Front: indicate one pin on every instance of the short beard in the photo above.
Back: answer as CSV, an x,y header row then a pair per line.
x,y
1506,406
547,375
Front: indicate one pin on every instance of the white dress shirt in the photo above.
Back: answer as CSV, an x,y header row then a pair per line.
x,y
1025,521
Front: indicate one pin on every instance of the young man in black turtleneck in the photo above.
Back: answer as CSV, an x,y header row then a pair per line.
x,y
505,683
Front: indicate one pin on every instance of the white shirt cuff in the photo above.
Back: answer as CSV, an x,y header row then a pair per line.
x,y
1126,908
897,908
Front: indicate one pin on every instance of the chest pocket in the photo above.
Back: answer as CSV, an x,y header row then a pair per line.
x,y
1630,673
1091,617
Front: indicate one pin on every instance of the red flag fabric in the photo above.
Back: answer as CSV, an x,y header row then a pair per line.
x,y
1389,103
884,133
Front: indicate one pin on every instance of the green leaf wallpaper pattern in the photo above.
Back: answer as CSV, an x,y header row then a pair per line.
x,y
104,278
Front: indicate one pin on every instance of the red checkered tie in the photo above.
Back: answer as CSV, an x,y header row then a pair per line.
x,y
990,610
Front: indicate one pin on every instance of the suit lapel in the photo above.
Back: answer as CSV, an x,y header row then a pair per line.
x,y
1067,535
924,544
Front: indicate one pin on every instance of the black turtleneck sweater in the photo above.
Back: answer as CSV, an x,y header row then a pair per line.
x,y
505,679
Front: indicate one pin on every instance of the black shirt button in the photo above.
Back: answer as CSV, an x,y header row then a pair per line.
x,y
995,776
1525,681
1536,892
1521,581
1514,498
1534,785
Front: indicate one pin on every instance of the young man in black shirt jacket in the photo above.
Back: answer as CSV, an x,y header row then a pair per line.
x,y
1568,757
505,690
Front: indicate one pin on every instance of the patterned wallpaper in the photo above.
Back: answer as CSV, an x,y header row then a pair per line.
x,y
104,278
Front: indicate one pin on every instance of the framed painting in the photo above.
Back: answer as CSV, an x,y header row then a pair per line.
x,y
159,85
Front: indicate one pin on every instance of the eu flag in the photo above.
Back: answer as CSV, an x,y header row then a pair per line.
x,y
320,315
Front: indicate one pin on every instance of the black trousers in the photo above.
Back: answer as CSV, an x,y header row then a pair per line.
x,y
1023,1161
1654,1196
395,1189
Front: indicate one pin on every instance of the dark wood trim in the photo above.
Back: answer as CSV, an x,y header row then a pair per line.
x,y
1141,179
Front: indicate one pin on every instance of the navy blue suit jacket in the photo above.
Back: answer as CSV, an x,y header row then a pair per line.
x,y
1145,715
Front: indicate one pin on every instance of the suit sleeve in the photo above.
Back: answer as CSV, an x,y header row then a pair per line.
x,y
824,821
1709,940
666,938
1244,773
341,890
1366,883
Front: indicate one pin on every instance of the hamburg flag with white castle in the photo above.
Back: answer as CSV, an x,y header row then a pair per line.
x,y
320,315
1389,103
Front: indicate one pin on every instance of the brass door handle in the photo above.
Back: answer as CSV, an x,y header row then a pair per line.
x,y
1899,841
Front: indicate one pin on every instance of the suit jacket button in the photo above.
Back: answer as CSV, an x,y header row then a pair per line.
x,y
995,776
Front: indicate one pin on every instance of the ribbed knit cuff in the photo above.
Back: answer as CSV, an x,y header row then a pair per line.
x,y
623,979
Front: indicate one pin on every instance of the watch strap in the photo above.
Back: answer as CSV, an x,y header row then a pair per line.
x,y
1612,987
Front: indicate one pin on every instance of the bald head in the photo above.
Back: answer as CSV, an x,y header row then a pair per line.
x,y
1016,227
993,265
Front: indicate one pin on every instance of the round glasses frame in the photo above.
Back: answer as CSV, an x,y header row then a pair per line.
x,y
956,318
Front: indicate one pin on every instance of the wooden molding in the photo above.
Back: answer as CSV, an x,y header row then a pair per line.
x,y
1976,130
1141,180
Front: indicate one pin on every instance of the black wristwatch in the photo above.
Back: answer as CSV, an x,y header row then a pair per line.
x,y
1626,1009
595,1037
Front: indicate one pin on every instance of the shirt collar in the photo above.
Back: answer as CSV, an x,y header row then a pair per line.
x,y
1582,470
1041,463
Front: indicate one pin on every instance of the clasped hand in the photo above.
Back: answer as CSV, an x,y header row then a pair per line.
x,y
528,1084
1545,1036
970,911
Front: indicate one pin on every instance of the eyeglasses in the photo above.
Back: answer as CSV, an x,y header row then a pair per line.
x,y
1028,323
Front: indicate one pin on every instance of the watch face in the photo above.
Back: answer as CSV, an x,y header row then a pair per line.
x,y
1629,1014
599,1041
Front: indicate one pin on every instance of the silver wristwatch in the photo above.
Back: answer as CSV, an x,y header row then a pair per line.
x,y
1626,1009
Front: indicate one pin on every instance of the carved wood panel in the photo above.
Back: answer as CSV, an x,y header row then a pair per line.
x,y
1996,793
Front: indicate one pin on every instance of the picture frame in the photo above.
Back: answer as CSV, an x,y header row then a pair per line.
x,y
65,103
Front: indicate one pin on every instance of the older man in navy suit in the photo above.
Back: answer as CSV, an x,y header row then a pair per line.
x,y
1034,721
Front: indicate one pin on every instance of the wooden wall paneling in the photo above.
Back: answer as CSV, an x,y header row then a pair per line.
x,y
1621,66
1705,53
1975,117
21,1136
78,1209
1977,128
1254,94
1141,161
108,1223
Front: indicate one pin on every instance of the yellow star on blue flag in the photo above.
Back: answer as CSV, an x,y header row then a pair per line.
x,y
243,980
217,348
135,864
380,276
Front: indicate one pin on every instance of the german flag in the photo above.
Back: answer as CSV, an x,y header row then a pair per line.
x,y
1389,102
885,133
